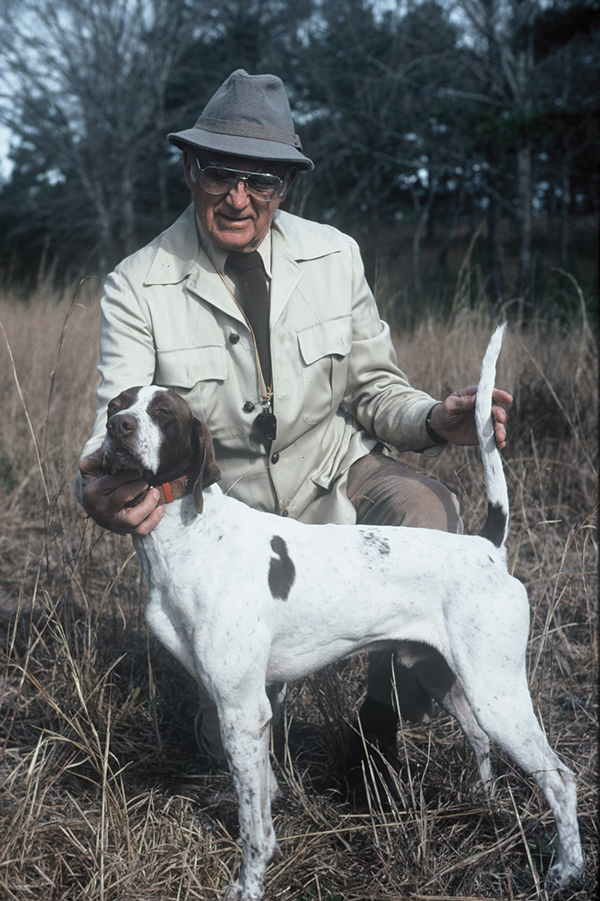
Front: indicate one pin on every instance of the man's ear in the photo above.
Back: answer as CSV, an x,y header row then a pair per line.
x,y
290,177
189,163
207,470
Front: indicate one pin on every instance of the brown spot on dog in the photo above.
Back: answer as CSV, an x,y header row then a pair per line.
x,y
282,571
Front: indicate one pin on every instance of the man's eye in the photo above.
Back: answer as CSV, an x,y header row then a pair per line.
x,y
222,175
264,181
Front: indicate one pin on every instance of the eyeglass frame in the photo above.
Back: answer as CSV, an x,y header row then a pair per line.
x,y
242,175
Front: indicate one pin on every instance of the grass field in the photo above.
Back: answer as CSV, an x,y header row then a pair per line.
x,y
102,793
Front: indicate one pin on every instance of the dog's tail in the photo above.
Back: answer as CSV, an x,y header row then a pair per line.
x,y
496,526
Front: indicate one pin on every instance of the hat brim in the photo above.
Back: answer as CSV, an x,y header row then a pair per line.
x,y
254,148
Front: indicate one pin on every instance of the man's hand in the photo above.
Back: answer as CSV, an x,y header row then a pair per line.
x,y
454,419
107,498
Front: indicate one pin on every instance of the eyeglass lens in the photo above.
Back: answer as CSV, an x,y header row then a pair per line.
x,y
217,180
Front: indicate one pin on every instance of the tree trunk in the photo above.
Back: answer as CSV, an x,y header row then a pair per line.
x,y
128,210
495,252
524,220
422,217
565,202
450,226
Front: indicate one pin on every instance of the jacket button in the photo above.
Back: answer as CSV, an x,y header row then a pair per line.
x,y
234,338
274,458
248,407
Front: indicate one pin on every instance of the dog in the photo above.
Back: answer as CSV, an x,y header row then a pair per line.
x,y
246,600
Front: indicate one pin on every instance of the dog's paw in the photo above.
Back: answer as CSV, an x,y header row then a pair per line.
x,y
564,877
234,892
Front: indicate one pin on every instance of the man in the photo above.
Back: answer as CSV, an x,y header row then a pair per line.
x,y
264,322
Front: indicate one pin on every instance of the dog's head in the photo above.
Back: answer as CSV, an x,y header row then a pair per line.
x,y
153,431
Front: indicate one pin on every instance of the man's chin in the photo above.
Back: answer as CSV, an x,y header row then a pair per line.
x,y
235,238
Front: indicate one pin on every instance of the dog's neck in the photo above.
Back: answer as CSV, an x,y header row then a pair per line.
x,y
176,481
174,489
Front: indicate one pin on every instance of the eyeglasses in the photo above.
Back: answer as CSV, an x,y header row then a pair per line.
x,y
261,185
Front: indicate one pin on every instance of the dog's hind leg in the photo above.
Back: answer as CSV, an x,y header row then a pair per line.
x,y
245,728
440,682
275,694
506,713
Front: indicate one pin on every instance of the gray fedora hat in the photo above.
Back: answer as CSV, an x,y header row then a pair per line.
x,y
249,116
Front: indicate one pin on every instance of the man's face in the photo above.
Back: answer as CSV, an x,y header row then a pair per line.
x,y
235,220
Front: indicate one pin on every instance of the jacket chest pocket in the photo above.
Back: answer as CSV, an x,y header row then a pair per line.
x,y
197,373
184,367
324,350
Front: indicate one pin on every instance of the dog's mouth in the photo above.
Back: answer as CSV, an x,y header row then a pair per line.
x,y
117,458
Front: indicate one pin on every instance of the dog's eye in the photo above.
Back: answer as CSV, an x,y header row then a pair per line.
x,y
112,409
163,411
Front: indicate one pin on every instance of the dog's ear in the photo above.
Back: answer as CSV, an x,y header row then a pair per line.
x,y
207,470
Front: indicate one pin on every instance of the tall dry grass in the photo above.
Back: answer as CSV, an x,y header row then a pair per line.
x,y
102,793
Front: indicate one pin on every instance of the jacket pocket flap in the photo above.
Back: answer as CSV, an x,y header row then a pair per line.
x,y
333,336
186,366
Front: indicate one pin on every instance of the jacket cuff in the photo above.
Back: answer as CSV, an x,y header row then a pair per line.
x,y
412,430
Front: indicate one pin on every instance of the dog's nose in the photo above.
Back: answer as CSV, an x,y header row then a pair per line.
x,y
121,425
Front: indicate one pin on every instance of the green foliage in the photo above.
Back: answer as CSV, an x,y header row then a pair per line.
x,y
324,895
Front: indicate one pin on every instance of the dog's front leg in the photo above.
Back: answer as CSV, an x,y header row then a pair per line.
x,y
245,735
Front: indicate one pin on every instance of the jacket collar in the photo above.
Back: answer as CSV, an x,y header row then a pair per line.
x,y
179,258
295,241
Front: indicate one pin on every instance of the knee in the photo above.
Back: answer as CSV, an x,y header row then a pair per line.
x,y
433,506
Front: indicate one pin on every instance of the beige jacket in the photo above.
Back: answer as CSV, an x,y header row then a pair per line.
x,y
168,319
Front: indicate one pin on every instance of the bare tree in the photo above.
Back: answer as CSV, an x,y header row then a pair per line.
x,y
502,60
84,85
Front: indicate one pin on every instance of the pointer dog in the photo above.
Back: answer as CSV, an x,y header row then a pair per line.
x,y
246,600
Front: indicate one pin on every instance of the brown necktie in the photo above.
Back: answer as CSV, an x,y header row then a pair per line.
x,y
253,283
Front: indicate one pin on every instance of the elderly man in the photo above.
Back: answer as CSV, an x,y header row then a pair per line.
x,y
264,322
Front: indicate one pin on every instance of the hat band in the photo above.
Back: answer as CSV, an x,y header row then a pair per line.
x,y
248,130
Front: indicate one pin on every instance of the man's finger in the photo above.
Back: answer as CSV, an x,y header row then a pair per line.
x,y
469,391
114,493
92,463
501,397
134,516
151,521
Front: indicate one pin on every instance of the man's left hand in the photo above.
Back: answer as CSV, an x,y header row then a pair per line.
x,y
454,419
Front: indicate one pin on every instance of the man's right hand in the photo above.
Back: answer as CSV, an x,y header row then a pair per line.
x,y
107,498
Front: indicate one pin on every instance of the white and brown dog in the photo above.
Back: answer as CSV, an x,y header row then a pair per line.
x,y
246,600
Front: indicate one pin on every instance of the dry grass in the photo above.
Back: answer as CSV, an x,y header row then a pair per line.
x,y
103,795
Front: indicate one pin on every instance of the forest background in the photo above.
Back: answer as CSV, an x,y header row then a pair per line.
x,y
433,126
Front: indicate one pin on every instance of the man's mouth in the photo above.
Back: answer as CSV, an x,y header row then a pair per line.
x,y
234,221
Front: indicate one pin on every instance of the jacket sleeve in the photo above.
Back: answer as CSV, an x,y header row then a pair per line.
x,y
378,393
127,353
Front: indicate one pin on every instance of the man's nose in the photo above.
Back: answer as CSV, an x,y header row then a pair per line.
x,y
238,195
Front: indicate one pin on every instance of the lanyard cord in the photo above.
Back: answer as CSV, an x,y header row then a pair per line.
x,y
266,391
